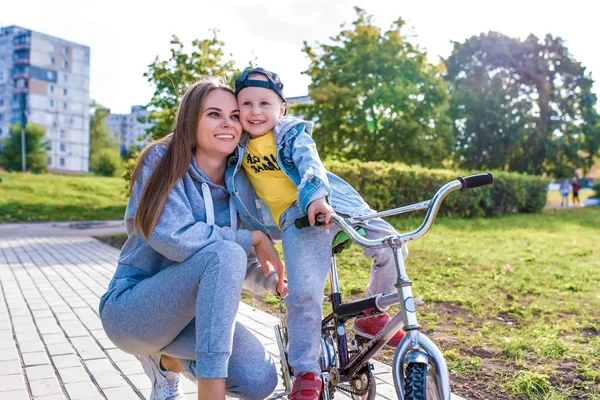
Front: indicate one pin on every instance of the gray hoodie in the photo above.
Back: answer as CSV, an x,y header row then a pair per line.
x,y
196,214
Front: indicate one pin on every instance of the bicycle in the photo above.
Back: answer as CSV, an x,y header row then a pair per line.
x,y
419,370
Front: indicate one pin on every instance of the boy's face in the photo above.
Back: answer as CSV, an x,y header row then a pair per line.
x,y
260,108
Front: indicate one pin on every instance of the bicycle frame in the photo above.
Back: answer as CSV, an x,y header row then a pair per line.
x,y
415,346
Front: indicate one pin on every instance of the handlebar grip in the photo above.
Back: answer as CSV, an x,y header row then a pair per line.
x,y
476,180
302,222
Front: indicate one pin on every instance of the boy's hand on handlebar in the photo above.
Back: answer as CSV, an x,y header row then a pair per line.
x,y
317,207
268,257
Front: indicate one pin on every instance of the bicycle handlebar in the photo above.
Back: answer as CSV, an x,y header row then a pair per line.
x,y
476,180
432,206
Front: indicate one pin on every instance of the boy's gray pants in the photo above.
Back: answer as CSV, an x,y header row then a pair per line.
x,y
188,311
307,254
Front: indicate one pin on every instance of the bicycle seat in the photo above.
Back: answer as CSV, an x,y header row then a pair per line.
x,y
342,241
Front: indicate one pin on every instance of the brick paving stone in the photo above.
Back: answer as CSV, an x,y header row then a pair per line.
x,y
56,349
121,393
35,358
44,387
102,365
73,374
54,338
11,383
51,397
82,390
66,361
130,367
15,395
9,368
8,354
39,372
109,379
140,381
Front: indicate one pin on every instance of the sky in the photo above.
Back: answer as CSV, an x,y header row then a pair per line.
x,y
126,36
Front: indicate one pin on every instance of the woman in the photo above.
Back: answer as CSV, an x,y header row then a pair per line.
x,y
177,286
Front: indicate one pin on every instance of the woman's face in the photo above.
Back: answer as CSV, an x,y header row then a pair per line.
x,y
218,131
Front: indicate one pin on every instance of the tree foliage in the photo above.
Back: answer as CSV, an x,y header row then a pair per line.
x,y
376,97
104,150
173,76
36,148
522,105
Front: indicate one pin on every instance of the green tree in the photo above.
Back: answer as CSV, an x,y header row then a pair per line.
x,y
544,118
173,76
104,150
376,97
36,148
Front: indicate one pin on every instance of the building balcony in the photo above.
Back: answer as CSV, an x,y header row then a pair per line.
x,y
20,90
21,61
22,46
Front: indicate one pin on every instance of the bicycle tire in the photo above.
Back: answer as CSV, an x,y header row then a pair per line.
x,y
415,381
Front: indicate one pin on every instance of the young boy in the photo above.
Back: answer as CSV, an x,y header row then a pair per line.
x,y
280,160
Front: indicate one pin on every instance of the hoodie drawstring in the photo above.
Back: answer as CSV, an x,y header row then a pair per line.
x,y
210,208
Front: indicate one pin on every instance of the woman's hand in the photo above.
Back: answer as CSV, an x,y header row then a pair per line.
x,y
268,257
320,206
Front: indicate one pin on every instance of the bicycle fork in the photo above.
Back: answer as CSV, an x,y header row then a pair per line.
x,y
415,347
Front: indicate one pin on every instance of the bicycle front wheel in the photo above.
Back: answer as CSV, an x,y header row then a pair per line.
x,y
421,382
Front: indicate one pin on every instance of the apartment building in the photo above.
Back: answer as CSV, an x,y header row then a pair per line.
x,y
129,129
47,79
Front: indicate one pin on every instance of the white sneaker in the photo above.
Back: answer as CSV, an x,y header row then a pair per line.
x,y
165,384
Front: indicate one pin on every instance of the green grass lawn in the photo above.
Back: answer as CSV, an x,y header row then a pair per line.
x,y
48,197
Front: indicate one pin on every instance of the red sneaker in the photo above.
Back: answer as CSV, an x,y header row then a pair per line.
x,y
369,326
306,387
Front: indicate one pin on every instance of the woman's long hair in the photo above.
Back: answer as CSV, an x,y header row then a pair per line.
x,y
175,162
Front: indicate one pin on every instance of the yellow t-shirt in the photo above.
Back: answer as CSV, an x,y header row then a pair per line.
x,y
271,184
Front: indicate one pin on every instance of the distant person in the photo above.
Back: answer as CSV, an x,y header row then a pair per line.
x,y
575,185
564,190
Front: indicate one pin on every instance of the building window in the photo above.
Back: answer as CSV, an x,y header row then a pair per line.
x,y
65,77
63,147
0,131
51,89
49,160
65,64
61,162
50,75
1,102
65,92
64,105
1,117
1,75
63,134
65,51
51,103
52,60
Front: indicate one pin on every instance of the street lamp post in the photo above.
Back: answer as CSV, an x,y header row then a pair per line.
x,y
23,123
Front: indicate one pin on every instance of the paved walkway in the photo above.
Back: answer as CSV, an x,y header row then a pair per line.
x,y
52,345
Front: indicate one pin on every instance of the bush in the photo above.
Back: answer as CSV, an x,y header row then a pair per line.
x,y
389,185
106,162
596,189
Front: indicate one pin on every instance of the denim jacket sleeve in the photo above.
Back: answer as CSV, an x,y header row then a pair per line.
x,y
313,176
177,235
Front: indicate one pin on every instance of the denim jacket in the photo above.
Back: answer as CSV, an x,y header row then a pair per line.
x,y
298,158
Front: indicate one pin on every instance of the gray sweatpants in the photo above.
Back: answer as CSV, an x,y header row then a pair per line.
x,y
188,311
307,254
